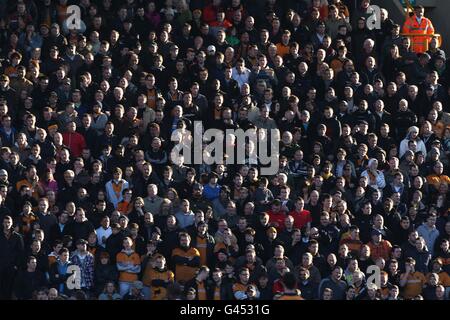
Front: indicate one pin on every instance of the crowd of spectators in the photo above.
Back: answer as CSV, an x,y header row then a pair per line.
x,y
94,206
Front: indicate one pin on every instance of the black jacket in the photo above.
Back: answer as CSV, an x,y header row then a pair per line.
x,y
226,290
11,250
103,274
80,230
56,278
309,290
114,245
27,282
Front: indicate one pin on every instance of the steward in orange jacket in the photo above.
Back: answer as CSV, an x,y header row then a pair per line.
x,y
418,24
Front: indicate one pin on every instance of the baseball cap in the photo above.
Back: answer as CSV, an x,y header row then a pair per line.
x,y
425,55
271,229
375,233
81,241
157,230
436,141
169,12
115,225
363,122
201,223
250,231
211,49
124,217
197,186
435,150
276,202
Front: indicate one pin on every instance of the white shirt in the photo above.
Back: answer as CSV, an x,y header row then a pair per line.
x,y
101,232
241,78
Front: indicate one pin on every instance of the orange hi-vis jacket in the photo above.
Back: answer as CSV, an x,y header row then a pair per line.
x,y
425,27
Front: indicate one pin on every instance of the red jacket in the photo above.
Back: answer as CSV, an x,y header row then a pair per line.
x,y
209,13
301,218
75,141
277,217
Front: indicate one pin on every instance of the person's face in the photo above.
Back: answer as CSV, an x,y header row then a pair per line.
x,y
337,273
160,263
325,220
431,221
419,12
80,216
445,246
419,245
184,241
351,293
405,224
438,168
376,238
36,246
81,247
127,244
327,295
440,292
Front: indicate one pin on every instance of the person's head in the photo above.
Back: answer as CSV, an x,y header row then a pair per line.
x,y
307,259
394,291
376,236
63,255
327,294
185,239
127,243
410,264
440,292
419,11
35,246
82,245
445,245
431,220
420,244
160,261
80,215
244,275
43,205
